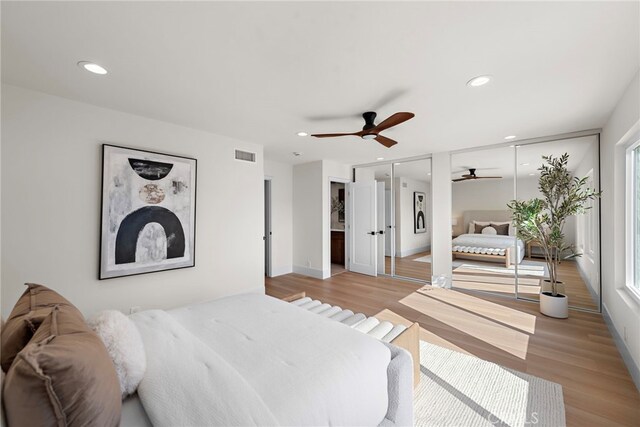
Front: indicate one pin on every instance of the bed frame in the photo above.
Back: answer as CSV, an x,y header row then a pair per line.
x,y
500,216
506,258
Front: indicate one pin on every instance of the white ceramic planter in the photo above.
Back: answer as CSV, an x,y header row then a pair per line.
x,y
557,306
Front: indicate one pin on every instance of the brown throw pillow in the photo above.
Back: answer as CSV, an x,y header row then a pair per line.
x,y
63,377
501,229
32,308
479,228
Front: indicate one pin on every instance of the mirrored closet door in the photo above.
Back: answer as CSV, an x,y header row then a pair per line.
x,y
491,255
578,267
412,215
485,251
401,212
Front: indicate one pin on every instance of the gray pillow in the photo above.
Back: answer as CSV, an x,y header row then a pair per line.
x,y
502,229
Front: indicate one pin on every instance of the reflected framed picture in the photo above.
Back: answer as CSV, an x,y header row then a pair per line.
x,y
419,215
148,212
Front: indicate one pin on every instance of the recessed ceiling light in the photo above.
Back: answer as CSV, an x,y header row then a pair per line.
x,y
94,68
302,134
479,81
524,164
429,174
510,137
379,158
531,174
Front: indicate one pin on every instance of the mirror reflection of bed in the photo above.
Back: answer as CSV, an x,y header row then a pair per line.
x,y
486,254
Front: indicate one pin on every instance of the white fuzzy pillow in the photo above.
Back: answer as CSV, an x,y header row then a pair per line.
x,y
124,345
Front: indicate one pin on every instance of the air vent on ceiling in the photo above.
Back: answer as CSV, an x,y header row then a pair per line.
x,y
245,156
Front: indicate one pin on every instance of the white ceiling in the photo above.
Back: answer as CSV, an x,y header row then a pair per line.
x,y
264,71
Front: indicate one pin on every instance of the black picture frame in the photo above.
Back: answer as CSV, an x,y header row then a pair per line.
x,y
419,212
158,163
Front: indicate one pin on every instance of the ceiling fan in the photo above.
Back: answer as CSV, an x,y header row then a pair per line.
x,y
371,130
472,175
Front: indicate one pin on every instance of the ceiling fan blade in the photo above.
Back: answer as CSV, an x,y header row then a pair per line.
x,y
460,179
391,121
387,142
388,99
331,135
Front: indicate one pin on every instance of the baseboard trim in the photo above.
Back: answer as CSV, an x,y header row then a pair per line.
x,y
622,348
410,252
282,270
594,296
311,272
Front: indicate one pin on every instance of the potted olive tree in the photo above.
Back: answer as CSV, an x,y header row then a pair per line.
x,y
543,220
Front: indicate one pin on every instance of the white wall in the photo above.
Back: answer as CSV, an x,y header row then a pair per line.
x,y
312,215
308,219
281,176
482,195
407,242
51,191
622,310
441,215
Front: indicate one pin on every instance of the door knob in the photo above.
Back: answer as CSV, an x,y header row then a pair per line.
x,y
373,233
381,232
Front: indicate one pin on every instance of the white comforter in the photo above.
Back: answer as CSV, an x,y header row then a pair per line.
x,y
255,360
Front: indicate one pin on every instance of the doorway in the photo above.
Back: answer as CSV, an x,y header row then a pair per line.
x,y
338,240
267,228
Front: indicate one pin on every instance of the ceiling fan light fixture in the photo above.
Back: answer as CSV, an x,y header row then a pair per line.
x,y
479,81
302,134
369,136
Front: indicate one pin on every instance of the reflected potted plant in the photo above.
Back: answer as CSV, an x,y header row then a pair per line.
x,y
543,219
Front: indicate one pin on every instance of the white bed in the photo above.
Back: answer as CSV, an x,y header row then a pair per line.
x,y
487,244
488,247
254,360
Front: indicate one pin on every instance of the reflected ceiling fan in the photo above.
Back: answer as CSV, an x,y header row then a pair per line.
x,y
472,175
371,130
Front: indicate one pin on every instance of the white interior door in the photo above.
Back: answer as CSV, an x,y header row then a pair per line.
x,y
363,251
380,229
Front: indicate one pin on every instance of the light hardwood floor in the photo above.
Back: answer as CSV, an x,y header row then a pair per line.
x,y
528,286
577,353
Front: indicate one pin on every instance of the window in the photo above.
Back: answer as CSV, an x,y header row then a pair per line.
x,y
633,218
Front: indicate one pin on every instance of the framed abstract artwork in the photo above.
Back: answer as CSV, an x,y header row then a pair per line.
x,y
419,216
148,212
